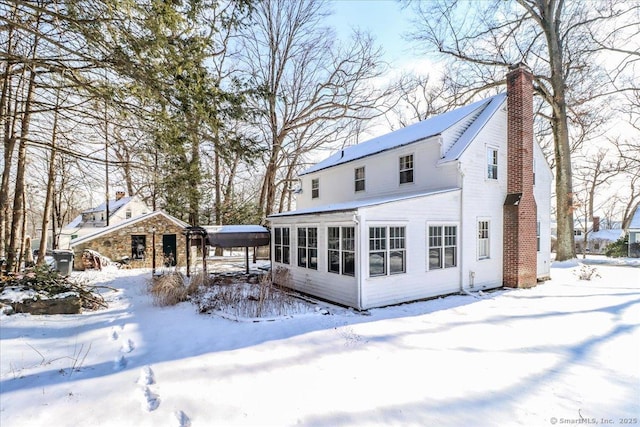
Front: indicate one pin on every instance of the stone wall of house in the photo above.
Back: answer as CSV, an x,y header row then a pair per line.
x,y
116,245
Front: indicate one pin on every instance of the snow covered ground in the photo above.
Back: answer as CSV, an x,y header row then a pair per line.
x,y
567,351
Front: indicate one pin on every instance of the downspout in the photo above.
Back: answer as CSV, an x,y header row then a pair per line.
x,y
463,290
356,220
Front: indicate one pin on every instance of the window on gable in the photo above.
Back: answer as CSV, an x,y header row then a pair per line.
x,y
538,235
443,246
308,247
359,179
315,188
282,244
406,169
128,214
341,250
387,251
492,163
483,239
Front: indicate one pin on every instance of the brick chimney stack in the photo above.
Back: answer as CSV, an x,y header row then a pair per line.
x,y
520,210
119,195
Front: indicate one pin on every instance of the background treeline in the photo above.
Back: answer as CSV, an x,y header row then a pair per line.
x,y
209,109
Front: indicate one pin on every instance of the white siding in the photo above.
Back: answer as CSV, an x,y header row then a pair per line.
x,y
418,282
542,193
483,199
381,176
478,198
320,283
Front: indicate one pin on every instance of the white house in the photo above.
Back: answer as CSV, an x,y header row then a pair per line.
x,y
456,203
634,234
90,221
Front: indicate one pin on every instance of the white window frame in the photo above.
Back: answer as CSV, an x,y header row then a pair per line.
x,y
442,244
282,244
403,168
382,243
308,246
315,188
492,163
358,180
346,247
484,239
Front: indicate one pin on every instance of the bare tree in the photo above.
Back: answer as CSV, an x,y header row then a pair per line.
x,y
594,174
418,97
557,39
309,86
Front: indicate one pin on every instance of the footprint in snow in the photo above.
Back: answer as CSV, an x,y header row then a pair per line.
x,y
119,363
183,420
150,400
127,347
114,335
146,376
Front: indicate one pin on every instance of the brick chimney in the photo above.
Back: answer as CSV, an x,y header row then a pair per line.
x,y
520,211
596,224
119,195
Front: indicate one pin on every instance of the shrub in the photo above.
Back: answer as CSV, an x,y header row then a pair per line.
x,y
619,248
168,289
587,272
243,299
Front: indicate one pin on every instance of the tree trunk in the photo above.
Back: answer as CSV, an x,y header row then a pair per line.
x,y
51,178
8,143
18,201
564,188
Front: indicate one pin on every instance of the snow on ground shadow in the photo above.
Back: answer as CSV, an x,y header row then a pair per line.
x,y
562,352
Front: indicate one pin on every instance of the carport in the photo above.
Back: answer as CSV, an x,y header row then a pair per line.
x,y
238,236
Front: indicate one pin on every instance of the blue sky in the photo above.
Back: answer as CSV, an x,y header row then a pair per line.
x,y
383,18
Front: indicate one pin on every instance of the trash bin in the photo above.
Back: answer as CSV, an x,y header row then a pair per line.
x,y
63,261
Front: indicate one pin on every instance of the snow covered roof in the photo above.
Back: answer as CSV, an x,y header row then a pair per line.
x,y
353,205
611,235
635,220
235,229
476,126
75,222
126,223
433,126
114,205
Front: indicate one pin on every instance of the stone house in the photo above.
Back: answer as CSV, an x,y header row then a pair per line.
x,y
135,240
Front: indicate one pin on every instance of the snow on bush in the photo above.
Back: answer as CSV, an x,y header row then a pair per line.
x,y
587,272
250,299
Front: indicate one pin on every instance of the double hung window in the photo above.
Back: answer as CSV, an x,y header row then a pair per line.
x,y
483,239
406,169
308,247
387,250
359,179
443,246
492,163
282,244
341,250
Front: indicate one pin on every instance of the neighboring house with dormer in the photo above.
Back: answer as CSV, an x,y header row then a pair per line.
x,y
459,202
120,209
